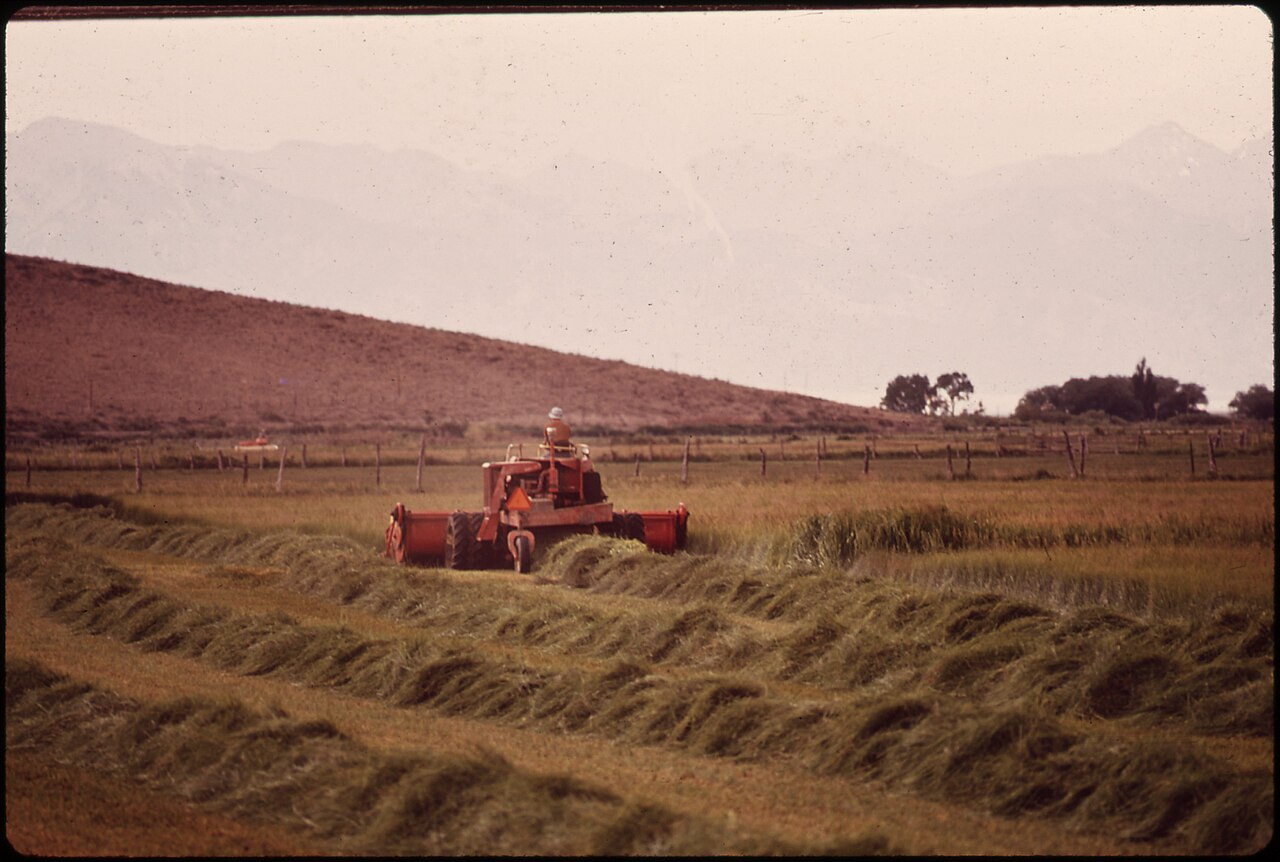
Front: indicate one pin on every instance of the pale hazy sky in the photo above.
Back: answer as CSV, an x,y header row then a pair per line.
x,y
964,89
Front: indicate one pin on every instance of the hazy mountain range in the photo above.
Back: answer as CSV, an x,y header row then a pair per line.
x,y
766,268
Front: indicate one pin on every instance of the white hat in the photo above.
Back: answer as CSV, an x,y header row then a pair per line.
x,y
556,413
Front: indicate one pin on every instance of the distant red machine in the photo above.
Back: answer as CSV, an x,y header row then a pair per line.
x,y
257,444
527,501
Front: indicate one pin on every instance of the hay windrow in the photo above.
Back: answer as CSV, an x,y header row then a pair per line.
x,y
1007,760
839,632
847,631
314,779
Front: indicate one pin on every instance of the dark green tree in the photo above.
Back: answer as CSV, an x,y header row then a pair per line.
x,y
1145,389
909,394
1111,395
1174,398
1144,395
1194,396
956,385
1039,402
1257,402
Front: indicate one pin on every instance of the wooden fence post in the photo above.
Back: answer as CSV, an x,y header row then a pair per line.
x,y
422,460
284,453
650,453
1071,455
1191,456
684,463
28,471
244,463
377,464
917,448
875,453
968,461
866,460
951,470
191,461
137,469
637,464
220,465
154,465
1213,461
817,462
764,463
344,456
262,460
304,456
1084,452
120,459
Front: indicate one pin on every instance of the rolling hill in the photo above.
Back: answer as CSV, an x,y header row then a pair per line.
x,y
92,352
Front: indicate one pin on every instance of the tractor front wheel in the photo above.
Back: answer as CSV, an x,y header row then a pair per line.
x,y
457,541
524,555
481,552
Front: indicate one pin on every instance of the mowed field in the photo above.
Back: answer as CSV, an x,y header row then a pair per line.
x,y
852,657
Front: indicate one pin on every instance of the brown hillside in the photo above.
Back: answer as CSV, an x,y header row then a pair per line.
x,y
160,358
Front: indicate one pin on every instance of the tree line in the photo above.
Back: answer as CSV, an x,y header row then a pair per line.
x,y
915,393
1142,395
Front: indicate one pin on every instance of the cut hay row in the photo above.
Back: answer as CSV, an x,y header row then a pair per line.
x,y
912,548
1012,758
311,778
1216,673
831,631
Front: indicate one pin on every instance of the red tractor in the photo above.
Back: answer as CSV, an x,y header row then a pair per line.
x,y
527,501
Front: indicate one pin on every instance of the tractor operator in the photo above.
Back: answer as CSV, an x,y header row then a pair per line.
x,y
557,430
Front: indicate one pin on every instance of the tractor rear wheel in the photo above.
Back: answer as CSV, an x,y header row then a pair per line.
x,y
523,555
633,526
457,542
481,552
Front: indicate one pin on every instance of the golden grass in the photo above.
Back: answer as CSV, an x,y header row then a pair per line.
x,y
312,778
1141,579
1010,662
731,505
797,806
979,644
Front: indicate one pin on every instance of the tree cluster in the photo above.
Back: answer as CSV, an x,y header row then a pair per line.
x,y
915,393
1256,402
1142,395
